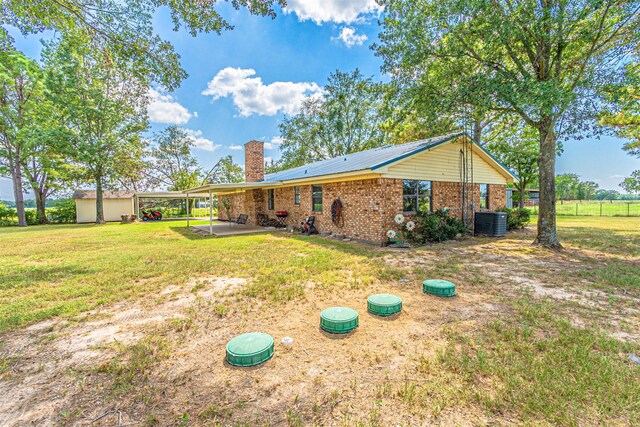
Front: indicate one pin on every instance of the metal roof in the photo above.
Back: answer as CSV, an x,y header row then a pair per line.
x,y
363,160
106,194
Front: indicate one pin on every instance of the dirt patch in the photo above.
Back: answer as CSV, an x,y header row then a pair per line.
x,y
367,376
35,389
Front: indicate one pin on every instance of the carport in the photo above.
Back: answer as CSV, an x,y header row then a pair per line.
x,y
209,191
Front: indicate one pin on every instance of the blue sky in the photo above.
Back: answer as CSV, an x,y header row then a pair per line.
x,y
243,82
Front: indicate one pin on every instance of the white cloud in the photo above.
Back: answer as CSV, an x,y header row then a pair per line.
x,y
235,147
195,114
277,140
338,11
616,177
252,96
268,159
200,141
164,109
349,37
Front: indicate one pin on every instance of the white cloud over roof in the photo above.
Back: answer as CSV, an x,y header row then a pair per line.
x,y
251,96
337,11
163,108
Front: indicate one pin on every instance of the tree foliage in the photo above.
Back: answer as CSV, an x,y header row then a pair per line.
x,y
225,171
516,145
631,184
21,91
126,27
345,119
172,163
625,117
543,61
104,103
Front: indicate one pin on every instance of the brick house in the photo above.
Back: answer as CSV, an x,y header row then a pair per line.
x,y
373,185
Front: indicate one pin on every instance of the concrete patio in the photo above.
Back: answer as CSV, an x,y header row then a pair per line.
x,y
222,229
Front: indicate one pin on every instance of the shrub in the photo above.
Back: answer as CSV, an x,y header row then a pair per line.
x,y
8,216
63,211
517,218
31,216
436,227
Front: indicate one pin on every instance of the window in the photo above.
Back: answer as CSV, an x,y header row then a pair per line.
x,y
484,196
296,195
416,195
316,198
270,199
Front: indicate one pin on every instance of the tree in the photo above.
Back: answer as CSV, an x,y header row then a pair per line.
x,y
346,119
631,184
542,60
225,171
624,118
20,93
125,27
104,103
516,145
587,190
171,159
603,194
567,186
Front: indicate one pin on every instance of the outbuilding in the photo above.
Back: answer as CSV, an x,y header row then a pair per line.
x,y
115,204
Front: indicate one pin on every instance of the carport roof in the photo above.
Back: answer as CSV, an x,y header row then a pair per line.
x,y
106,194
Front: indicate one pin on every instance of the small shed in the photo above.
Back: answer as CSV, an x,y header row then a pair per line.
x,y
115,203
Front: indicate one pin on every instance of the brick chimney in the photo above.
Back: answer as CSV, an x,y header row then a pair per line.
x,y
254,161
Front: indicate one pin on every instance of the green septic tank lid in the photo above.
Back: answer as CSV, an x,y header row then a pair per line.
x,y
384,304
339,320
442,288
250,349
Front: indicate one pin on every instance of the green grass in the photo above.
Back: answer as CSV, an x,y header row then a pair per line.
x,y
535,364
596,208
63,270
613,235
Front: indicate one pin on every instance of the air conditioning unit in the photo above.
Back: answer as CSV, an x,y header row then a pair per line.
x,y
490,224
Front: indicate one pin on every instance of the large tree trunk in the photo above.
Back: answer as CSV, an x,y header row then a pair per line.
x,y
40,205
547,235
99,204
521,201
16,178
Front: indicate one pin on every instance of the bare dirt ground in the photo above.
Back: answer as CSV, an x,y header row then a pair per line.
x,y
160,361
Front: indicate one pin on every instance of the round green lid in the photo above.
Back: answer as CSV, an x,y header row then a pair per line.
x,y
250,349
338,320
384,304
439,287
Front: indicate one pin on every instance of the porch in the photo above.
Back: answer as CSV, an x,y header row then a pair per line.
x,y
223,229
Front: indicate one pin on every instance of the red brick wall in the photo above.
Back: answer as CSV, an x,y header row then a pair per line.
x,y
369,206
497,196
254,161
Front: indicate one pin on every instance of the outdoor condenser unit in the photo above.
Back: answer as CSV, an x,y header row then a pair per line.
x,y
490,224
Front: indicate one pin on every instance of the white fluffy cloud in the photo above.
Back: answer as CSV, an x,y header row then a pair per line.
x,y
349,37
235,147
200,141
277,140
338,11
252,96
164,109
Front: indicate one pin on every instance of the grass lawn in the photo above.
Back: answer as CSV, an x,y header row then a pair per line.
x,y
130,322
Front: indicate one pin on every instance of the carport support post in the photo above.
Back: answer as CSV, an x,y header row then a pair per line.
x,y
187,209
210,214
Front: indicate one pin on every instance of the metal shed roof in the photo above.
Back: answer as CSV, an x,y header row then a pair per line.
x,y
362,160
106,194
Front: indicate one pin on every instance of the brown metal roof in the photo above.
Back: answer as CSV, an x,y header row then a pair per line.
x,y
106,194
